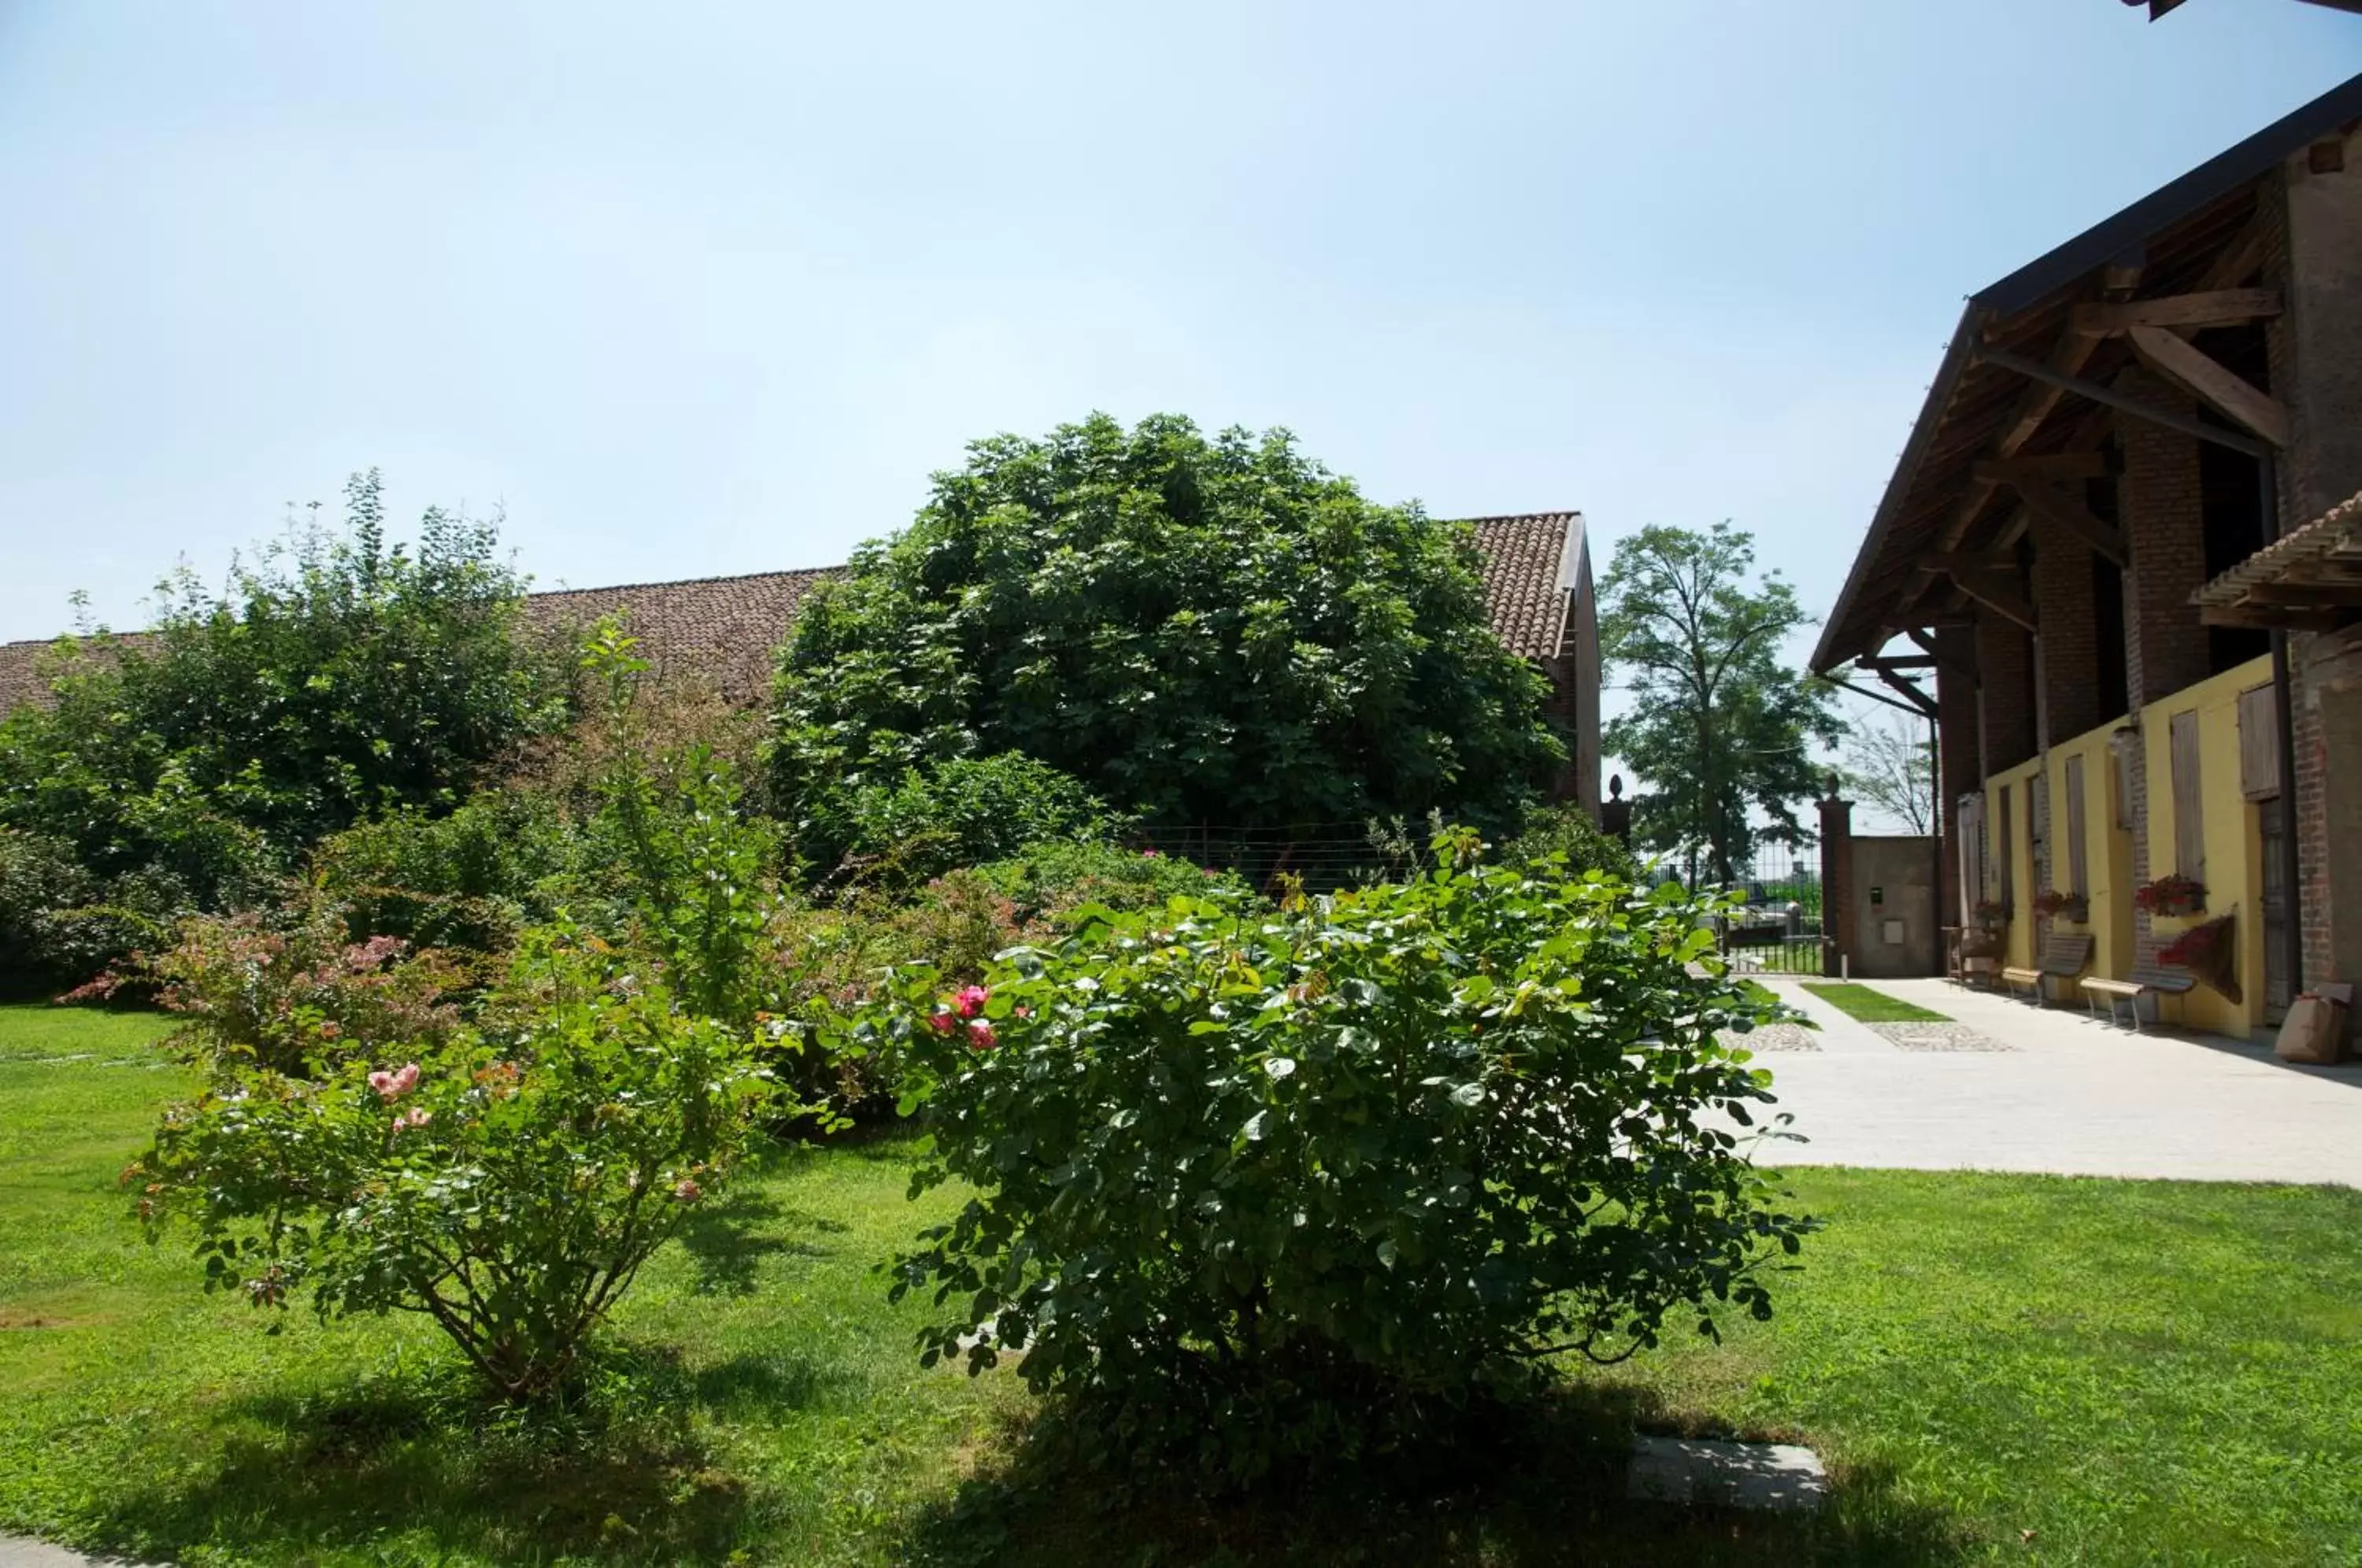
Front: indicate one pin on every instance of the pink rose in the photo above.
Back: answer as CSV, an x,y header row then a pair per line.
x,y
417,1116
941,1022
980,1036
971,1001
393,1086
685,1190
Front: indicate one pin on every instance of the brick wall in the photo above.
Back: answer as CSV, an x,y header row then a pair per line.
x,y
2005,692
2066,654
2163,526
1836,882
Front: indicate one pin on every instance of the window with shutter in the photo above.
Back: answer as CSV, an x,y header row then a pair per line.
x,y
2259,745
2189,827
2078,875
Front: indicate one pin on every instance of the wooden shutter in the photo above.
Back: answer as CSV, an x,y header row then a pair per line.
x,y
1972,855
2189,825
2002,849
2078,875
2042,855
2259,744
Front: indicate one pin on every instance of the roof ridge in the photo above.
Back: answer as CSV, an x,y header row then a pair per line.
x,y
684,581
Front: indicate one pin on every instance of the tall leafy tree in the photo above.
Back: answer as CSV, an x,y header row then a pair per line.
x,y
1720,728
1200,629
1887,761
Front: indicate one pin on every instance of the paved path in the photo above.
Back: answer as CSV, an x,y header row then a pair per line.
x,y
18,1552
2067,1094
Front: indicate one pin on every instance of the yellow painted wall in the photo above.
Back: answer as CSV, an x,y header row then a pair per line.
x,y
2234,860
2107,849
2019,949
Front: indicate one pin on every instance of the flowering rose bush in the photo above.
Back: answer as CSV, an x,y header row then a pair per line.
x,y
1271,1185
508,1184
296,997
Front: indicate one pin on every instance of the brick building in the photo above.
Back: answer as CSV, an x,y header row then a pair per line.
x,y
1536,567
2120,548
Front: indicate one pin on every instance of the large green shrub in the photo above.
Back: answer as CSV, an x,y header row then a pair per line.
x,y
1568,831
1053,878
336,677
1263,1187
1200,629
472,878
942,814
507,1186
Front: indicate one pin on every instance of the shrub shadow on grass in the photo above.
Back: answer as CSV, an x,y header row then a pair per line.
x,y
1533,1484
728,1241
614,1476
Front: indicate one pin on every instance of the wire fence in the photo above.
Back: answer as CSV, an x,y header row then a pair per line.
x,y
1323,855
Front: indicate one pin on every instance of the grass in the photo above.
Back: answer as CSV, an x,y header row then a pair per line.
x,y
1868,1006
2131,1372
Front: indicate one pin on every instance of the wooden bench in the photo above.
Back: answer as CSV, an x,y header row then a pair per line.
x,y
2147,979
2063,957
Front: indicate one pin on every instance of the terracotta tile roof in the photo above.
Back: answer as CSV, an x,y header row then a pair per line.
x,y
725,628
729,627
1530,563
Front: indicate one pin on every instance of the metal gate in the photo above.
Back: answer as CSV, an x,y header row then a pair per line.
x,y
1778,930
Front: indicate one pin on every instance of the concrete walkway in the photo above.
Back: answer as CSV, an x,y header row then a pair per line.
x,y
2061,1093
18,1552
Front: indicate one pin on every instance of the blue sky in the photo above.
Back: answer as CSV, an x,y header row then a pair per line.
x,y
694,291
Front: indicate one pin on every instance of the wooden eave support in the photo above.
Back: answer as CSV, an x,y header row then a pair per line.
x,y
2177,359
1997,592
2216,307
2274,618
2056,507
1944,665
2325,595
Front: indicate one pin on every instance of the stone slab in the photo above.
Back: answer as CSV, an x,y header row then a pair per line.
x,y
1704,1471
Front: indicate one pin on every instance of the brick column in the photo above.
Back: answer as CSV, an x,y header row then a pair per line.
x,y
1960,751
2066,653
1837,881
2165,646
2005,692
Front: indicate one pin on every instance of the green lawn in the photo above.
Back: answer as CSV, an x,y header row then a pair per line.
x,y
1868,1006
2133,1371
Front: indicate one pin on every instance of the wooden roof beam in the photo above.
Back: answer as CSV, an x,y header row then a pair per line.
x,y
2206,378
2215,307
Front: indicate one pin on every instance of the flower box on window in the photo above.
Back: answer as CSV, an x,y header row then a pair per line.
x,y
2052,904
2170,896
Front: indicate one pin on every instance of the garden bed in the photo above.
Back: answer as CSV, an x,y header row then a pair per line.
x,y
2108,1365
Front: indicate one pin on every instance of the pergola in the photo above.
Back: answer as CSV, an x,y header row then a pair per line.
x,y
2307,581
